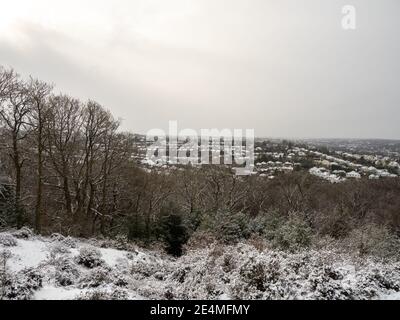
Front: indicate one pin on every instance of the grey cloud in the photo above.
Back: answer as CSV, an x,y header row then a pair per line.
x,y
284,68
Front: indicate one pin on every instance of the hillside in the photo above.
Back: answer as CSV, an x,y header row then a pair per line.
x,y
60,267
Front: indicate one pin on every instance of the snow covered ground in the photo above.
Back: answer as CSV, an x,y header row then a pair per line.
x,y
66,268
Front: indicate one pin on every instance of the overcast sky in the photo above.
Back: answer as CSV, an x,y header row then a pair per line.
x,y
285,68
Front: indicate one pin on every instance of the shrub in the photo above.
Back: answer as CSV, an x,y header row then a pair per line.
x,y
273,221
66,272
259,274
7,240
258,225
230,228
58,249
57,237
116,294
96,278
294,234
122,242
375,240
69,242
4,256
89,257
23,233
336,224
180,274
228,263
145,268
120,280
255,275
21,286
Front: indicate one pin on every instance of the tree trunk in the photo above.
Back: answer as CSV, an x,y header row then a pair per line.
x,y
18,167
38,208
67,196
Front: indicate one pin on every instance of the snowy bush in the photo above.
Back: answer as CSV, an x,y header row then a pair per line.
x,y
98,294
70,242
180,274
66,241
229,263
57,237
259,279
57,249
4,256
122,243
198,276
147,267
102,276
374,240
66,273
118,276
324,283
120,280
231,228
382,278
89,257
293,234
7,240
254,274
23,233
21,286
96,277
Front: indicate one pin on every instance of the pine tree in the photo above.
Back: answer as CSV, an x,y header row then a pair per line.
x,y
173,231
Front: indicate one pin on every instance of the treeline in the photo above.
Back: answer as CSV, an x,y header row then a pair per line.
x,y
63,157
67,168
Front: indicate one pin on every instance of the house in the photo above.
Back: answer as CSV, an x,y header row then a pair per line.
x,y
353,175
394,165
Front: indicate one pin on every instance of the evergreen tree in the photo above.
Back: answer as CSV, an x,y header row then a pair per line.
x,y
136,228
173,231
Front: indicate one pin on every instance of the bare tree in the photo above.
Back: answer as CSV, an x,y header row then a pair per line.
x,y
38,93
63,134
14,111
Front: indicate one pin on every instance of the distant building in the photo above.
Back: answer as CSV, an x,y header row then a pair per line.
x,y
353,175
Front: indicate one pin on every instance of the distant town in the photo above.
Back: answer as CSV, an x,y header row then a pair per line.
x,y
333,160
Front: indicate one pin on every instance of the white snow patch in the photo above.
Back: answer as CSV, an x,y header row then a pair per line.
x,y
392,296
27,254
112,256
57,293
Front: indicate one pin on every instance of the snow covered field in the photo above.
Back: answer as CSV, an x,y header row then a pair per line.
x,y
66,268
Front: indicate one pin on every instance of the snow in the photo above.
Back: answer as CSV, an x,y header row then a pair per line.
x,y
393,296
49,292
112,256
27,254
